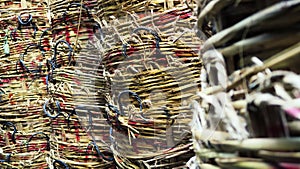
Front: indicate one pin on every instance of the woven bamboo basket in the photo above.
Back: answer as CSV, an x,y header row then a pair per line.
x,y
70,140
59,6
105,84
24,23
25,141
72,109
107,10
22,4
246,116
30,159
171,158
21,112
264,109
151,53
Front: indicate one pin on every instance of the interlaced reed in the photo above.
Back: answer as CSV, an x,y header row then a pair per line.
x,y
153,68
136,84
250,60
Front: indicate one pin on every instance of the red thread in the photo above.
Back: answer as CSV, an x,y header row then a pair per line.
x,y
77,131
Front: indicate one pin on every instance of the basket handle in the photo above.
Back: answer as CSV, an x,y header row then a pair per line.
x,y
21,22
73,112
74,4
2,91
49,78
98,27
47,112
95,27
98,151
45,136
55,52
21,60
25,23
120,111
10,124
154,33
59,162
117,112
113,109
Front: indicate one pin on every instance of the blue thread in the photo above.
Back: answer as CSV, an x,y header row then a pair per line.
x,y
10,124
155,34
98,151
136,96
48,114
55,52
45,136
60,163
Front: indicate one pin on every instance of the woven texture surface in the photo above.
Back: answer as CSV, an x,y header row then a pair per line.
x,y
243,119
61,67
149,84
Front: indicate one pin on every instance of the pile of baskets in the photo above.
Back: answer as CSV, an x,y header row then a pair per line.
x,y
149,84
24,130
39,89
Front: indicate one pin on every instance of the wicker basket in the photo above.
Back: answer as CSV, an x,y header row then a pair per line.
x,y
40,94
148,56
72,109
246,117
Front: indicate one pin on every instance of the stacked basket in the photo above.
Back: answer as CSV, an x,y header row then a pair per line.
x,y
40,91
152,64
105,84
24,130
72,89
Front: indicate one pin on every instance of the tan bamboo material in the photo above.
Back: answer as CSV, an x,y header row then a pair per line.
x,y
151,53
171,158
26,159
254,106
263,100
105,11
136,84
74,22
255,34
24,144
35,92
69,136
75,119
21,4
21,27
